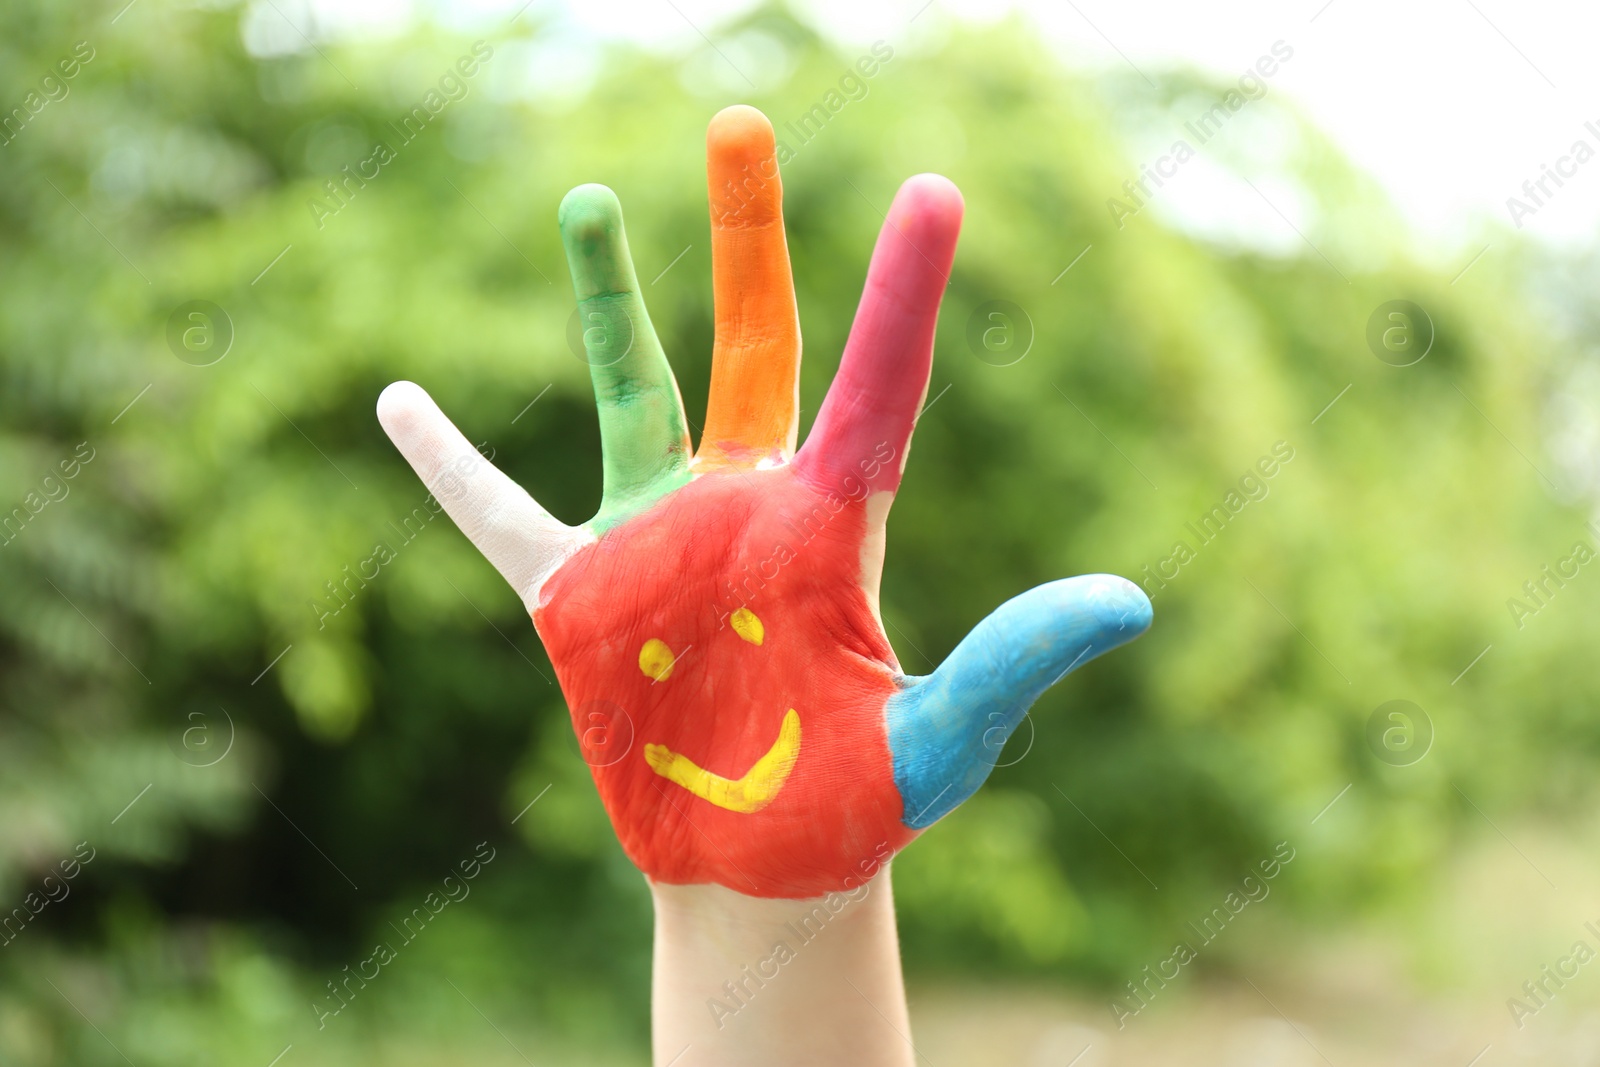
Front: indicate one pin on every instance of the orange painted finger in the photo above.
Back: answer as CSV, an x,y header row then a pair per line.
x,y
754,406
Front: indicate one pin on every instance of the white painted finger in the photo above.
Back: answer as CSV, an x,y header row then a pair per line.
x,y
523,541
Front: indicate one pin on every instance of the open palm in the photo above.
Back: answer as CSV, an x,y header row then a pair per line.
x,y
715,628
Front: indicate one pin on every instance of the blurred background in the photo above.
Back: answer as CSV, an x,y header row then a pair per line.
x,y
257,702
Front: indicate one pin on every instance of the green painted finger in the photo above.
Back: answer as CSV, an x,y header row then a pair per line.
x,y
643,432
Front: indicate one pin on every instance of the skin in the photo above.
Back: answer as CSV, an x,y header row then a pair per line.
x,y
715,627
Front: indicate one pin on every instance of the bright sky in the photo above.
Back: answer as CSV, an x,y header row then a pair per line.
x,y
1450,104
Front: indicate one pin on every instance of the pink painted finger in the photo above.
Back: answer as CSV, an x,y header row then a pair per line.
x,y
864,427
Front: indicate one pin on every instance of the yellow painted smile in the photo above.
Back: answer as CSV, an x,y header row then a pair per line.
x,y
758,788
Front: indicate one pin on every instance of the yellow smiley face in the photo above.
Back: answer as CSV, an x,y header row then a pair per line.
x,y
757,787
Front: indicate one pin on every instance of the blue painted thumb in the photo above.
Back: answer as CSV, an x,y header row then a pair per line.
x,y
947,729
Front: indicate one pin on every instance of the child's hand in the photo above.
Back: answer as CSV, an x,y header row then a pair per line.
x,y
715,627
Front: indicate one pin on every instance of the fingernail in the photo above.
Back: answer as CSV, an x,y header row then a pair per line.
x,y
1120,606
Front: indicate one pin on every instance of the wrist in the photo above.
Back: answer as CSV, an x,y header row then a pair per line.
x,y
743,979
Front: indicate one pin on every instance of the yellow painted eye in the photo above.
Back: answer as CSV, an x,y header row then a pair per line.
x,y
656,659
747,626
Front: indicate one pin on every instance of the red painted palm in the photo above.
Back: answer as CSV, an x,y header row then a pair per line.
x,y
737,735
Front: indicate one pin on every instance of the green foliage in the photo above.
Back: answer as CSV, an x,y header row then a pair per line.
x,y
198,574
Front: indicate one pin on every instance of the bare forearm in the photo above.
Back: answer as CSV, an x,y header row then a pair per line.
x,y
740,981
